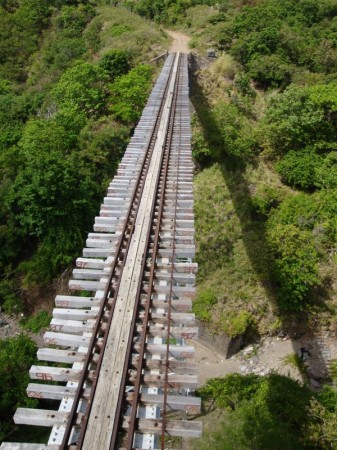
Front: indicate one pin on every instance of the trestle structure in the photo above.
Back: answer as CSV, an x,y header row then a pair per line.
x,y
118,346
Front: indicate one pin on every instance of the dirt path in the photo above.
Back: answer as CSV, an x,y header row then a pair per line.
x,y
261,360
270,354
179,42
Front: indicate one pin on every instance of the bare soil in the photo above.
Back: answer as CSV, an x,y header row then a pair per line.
x,y
179,42
271,354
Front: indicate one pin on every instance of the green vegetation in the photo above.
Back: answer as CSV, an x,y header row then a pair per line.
x,y
71,90
16,356
265,138
73,82
65,120
271,412
37,322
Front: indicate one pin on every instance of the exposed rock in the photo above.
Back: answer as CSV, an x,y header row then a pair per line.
x,y
315,384
248,350
9,326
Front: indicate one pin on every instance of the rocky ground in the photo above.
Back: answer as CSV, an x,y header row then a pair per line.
x,y
272,354
9,326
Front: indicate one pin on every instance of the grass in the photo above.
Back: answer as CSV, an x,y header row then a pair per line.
x,y
196,23
37,322
122,29
225,267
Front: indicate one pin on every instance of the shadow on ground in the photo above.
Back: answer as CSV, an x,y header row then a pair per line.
x,y
254,237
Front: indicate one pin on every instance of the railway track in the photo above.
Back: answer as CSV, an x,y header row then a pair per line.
x,y
119,350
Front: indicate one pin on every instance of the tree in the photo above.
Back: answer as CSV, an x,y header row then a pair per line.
x,y
271,412
295,264
16,356
115,63
129,94
83,87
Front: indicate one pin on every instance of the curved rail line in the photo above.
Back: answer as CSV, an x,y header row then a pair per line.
x,y
131,372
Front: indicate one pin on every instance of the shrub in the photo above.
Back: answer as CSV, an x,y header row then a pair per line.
x,y
203,304
236,323
16,356
130,92
115,63
298,168
118,29
266,198
231,390
270,71
81,86
302,118
10,299
91,34
326,172
242,82
295,264
224,66
270,412
236,131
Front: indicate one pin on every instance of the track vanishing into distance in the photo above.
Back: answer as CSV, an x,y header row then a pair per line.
x,y
118,352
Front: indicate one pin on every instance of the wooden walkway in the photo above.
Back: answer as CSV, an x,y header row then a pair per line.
x,y
123,368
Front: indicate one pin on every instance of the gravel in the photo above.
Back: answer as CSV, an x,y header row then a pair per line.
x,y
9,326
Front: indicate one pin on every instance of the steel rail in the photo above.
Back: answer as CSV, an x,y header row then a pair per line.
x,y
141,352
132,421
107,290
147,158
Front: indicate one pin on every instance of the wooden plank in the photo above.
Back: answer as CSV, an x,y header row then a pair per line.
x,y
176,277
60,356
83,285
175,332
72,326
52,392
179,367
178,267
89,274
175,318
182,305
184,291
174,380
192,405
182,428
75,314
45,373
104,236
184,252
22,446
65,340
90,263
102,243
110,220
106,397
89,252
70,301
40,417
176,351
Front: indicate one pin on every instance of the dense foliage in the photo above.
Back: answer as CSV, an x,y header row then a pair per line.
x,y
16,356
169,11
66,113
271,412
269,103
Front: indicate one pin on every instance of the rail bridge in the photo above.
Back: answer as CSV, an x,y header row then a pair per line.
x,y
117,367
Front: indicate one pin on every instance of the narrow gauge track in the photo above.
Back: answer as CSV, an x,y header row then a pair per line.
x,y
130,365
